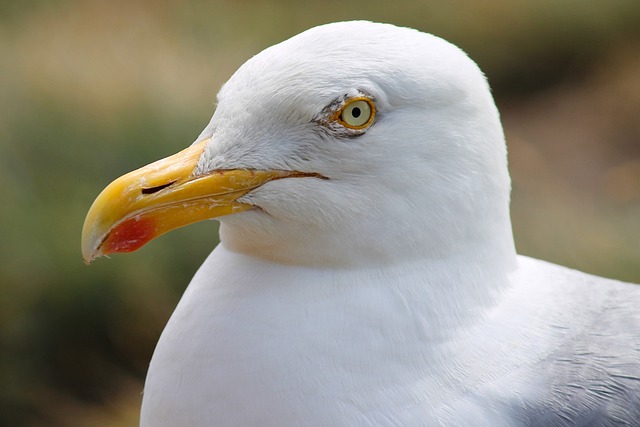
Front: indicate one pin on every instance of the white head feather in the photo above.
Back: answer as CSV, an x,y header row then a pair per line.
x,y
443,192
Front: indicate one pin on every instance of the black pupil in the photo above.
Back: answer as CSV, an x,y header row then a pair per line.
x,y
356,112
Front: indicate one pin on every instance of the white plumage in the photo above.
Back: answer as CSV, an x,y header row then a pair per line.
x,y
385,290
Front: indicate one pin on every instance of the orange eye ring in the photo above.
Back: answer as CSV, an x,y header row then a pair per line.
x,y
357,113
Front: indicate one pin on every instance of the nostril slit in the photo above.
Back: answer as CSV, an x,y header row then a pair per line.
x,y
152,190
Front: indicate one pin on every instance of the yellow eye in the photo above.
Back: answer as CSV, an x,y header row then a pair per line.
x,y
357,113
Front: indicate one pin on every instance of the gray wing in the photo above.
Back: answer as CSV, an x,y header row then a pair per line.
x,y
589,377
593,377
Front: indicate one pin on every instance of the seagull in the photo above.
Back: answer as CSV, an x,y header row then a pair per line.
x,y
366,273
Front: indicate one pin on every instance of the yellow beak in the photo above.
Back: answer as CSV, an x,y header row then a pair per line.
x,y
162,196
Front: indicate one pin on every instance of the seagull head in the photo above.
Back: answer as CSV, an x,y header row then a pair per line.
x,y
349,144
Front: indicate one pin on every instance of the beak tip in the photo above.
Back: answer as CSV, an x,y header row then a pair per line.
x,y
88,255
90,245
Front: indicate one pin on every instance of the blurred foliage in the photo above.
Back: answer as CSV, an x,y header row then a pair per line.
x,y
92,89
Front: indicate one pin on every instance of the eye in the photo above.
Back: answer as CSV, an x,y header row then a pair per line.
x,y
357,113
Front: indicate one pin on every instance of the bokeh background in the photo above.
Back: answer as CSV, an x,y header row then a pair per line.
x,y
92,89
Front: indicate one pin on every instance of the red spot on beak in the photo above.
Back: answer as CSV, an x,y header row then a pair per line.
x,y
129,235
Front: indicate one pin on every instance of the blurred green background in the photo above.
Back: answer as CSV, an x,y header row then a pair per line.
x,y
92,89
